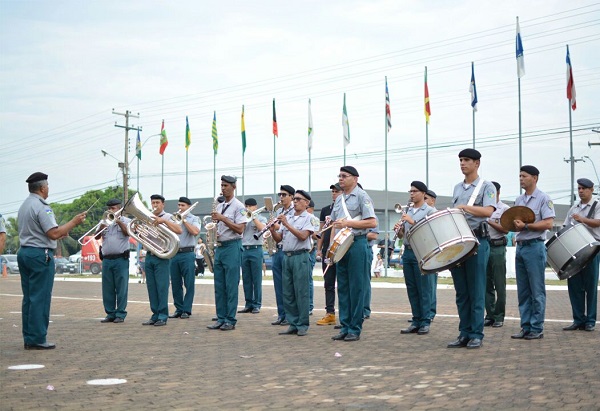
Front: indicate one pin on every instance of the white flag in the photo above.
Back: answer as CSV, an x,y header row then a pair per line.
x,y
346,125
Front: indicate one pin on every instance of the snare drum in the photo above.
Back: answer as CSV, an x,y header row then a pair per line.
x,y
340,245
442,240
570,249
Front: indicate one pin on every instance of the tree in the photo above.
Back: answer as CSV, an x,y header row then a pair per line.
x,y
12,236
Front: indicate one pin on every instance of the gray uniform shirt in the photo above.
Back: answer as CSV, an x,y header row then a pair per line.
x,y
114,242
233,211
495,217
358,203
416,214
542,207
186,239
35,219
583,210
302,222
250,230
485,197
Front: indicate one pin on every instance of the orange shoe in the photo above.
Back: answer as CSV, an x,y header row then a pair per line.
x,y
329,319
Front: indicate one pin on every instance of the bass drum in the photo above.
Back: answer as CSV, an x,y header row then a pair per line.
x,y
442,240
340,245
570,249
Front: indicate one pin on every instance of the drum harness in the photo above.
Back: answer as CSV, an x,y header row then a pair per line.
x,y
482,230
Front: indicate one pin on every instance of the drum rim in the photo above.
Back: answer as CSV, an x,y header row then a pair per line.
x,y
429,255
430,217
562,273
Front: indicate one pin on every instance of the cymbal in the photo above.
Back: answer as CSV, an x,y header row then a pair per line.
x,y
522,213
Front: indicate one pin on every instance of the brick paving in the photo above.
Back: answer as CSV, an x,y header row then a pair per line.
x,y
185,366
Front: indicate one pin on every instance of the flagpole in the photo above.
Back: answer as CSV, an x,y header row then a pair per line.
x,y
274,150
214,174
243,126
387,199
162,175
309,149
426,134
186,173
520,73
473,128
569,106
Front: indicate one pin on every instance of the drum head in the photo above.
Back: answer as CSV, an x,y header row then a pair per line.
x,y
570,250
448,256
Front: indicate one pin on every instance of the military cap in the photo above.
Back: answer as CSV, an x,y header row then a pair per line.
x,y
585,183
303,194
349,170
288,189
311,204
185,200
336,187
531,170
470,153
229,179
431,193
419,185
35,177
250,202
113,202
157,197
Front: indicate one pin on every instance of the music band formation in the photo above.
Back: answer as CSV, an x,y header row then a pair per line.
x,y
469,239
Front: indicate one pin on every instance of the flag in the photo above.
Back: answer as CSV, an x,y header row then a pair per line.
x,y
520,60
473,88
215,137
188,134
427,106
310,127
275,133
243,132
345,124
163,139
570,82
388,113
138,146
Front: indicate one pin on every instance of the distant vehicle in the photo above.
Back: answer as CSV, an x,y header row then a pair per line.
x,y
10,260
90,256
75,258
65,266
267,260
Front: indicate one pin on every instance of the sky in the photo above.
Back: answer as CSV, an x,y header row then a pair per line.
x,y
65,65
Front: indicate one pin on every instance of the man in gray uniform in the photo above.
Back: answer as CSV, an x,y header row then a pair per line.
x,y
183,263
115,266
38,233
252,258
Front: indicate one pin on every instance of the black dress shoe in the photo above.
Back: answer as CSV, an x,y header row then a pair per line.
x,y
284,322
339,337
337,327
245,310
534,336
520,335
590,327
488,322
176,315
227,327
352,337
149,322
215,326
475,343
184,316
44,346
459,343
215,319
277,321
160,323
118,320
289,331
410,330
423,330
255,310
498,324
574,327
107,320
302,333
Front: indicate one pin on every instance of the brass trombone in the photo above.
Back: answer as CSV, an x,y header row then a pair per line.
x,y
108,219
179,216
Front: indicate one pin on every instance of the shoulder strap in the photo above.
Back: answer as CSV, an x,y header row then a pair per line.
x,y
591,213
476,192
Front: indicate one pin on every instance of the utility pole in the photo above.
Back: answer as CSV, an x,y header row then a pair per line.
x,y
127,114
590,144
572,160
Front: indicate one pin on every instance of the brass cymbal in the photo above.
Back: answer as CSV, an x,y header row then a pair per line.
x,y
522,213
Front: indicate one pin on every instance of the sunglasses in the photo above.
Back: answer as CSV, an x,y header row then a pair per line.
x,y
344,175
282,194
299,198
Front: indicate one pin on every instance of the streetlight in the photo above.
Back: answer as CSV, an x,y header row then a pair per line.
x,y
122,166
593,165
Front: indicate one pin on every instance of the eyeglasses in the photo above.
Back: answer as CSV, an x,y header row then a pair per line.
x,y
299,198
344,175
282,194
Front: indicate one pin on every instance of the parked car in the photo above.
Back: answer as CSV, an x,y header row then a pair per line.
x,y
267,260
10,260
65,266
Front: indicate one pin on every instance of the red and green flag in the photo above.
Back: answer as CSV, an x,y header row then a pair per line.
x,y
243,132
188,134
275,131
427,106
163,139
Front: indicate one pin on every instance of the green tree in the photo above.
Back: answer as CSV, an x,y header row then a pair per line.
x,y
12,236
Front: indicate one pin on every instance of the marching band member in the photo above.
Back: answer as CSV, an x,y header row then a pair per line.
x,y
231,223
294,235
352,270
418,286
469,276
583,287
157,269
530,261
115,266
252,259
183,265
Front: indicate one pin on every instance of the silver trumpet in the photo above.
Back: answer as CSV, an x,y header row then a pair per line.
x,y
400,209
108,218
179,216
251,215
159,240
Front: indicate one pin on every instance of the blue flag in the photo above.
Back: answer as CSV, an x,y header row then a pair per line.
x,y
519,49
473,88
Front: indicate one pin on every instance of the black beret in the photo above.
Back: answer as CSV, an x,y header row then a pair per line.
x,y
288,189
185,200
497,185
229,179
585,183
531,170
336,187
349,170
311,204
431,193
35,177
303,194
419,185
250,202
470,153
157,197
113,202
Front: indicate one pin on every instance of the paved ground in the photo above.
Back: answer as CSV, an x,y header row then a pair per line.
x,y
186,366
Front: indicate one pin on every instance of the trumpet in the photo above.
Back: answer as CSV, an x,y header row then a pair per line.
x,y
251,215
400,209
108,218
179,216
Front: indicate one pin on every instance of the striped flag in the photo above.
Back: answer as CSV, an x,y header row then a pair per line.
x,y
188,134
388,113
215,136
138,146
275,132
243,132
473,88
310,127
520,60
345,124
427,105
163,139
570,82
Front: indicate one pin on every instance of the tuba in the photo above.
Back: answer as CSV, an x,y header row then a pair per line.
x,y
211,235
159,240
